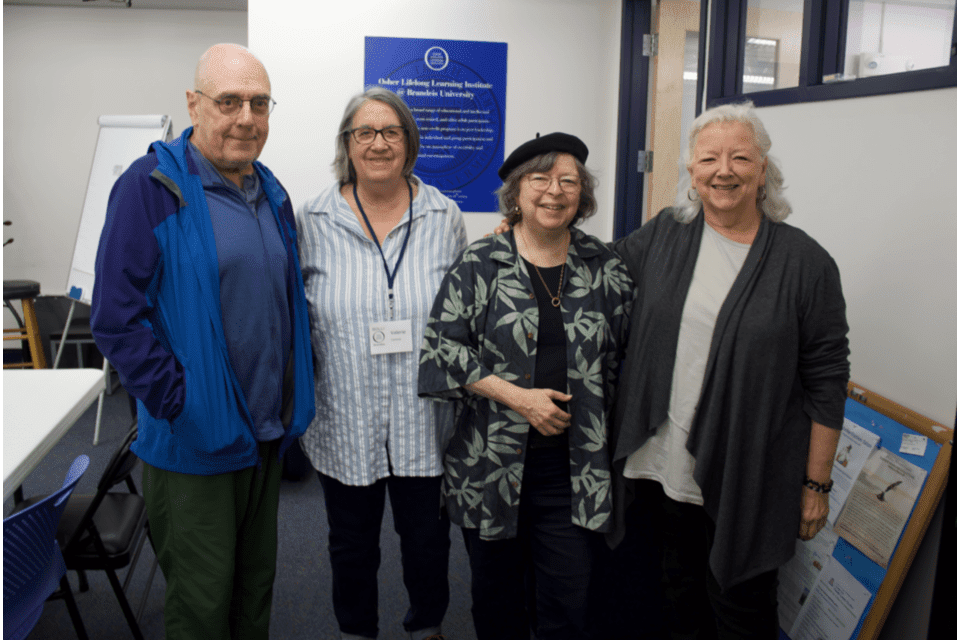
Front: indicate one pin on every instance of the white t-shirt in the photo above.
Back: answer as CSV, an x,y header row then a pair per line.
x,y
664,456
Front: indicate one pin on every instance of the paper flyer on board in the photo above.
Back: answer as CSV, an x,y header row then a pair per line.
x,y
880,504
799,575
833,608
854,448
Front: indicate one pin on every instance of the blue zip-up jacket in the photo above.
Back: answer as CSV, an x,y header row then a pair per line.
x,y
156,317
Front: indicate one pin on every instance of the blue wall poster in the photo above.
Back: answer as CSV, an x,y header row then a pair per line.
x,y
457,91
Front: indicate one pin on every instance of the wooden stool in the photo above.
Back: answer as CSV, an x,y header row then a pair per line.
x,y
24,291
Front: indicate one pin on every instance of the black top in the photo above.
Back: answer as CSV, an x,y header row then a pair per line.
x,y
551,369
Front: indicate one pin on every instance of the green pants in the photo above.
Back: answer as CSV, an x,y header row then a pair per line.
x,y
216,540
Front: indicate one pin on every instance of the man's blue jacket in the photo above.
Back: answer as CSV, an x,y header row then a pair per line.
x,y
156,317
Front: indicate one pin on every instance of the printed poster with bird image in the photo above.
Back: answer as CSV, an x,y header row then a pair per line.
x,y
880,504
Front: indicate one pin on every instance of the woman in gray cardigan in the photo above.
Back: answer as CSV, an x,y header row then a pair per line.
x,y
732,393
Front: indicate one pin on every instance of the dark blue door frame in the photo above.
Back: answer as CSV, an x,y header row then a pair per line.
x,y
632,118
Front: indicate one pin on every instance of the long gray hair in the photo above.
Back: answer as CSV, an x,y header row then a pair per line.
x,y
775,206
341,163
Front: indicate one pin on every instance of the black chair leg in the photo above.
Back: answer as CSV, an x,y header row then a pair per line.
x,y
153,571
72,609
146,594
124,604
82,578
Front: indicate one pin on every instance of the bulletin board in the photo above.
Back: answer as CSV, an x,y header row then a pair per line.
x,y
876,576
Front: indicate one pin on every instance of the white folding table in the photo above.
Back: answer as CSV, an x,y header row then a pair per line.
x,y
39,406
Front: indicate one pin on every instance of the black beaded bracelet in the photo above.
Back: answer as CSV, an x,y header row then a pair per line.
x,y
816,486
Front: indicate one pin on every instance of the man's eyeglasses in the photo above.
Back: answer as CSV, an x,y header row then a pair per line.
x,y
541,182
366,135
231,105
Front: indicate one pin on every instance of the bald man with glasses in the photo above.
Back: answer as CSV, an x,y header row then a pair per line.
x,y
199,305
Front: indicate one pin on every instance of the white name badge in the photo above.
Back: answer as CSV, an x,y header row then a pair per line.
x,y
391,337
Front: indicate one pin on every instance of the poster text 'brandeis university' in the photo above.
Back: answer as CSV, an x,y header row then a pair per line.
x,y
456,90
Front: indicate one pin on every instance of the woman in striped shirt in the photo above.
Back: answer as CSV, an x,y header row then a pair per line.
x,y
374,247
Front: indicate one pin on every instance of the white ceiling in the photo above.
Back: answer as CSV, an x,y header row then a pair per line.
x,y
198,5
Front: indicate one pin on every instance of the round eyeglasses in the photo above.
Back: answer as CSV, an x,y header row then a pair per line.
x,y
231,105
366,135
542,182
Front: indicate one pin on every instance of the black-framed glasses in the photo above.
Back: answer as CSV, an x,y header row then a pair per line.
x,y
366,135
542,182
231,105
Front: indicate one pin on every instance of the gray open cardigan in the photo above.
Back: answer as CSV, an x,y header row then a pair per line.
x,y
778,359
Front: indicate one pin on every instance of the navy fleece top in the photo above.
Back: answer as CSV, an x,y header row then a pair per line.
x,y
253,290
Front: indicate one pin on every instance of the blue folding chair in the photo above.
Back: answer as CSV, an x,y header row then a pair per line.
x,y
33,565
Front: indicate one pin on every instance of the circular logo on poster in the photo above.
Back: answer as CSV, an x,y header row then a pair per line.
x,y
436,58
460,122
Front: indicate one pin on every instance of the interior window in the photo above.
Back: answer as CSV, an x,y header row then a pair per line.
x,y
771,52
895,36
788,51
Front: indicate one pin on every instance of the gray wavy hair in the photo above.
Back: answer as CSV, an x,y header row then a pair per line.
x,y
341,163
509,191
775,206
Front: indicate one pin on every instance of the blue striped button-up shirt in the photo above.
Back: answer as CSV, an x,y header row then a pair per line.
x,y
370,422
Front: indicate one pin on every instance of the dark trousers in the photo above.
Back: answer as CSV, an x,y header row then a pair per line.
x,y
696,606
216,541
630,593
355,515
542,578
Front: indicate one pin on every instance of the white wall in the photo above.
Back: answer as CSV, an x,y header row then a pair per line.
x,y
64,67
563,62
874,180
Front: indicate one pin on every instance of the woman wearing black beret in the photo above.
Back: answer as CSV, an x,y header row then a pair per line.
x,y
526,336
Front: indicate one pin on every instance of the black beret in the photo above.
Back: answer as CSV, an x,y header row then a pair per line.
x,y
562,142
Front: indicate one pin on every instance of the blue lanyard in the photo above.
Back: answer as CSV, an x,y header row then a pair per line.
x,y
391,277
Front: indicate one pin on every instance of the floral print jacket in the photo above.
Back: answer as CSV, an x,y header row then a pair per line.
x,y
484,322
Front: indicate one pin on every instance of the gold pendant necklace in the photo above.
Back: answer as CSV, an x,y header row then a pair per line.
x,y
554,299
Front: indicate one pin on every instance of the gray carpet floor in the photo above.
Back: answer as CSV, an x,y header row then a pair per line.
x,y
302,606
